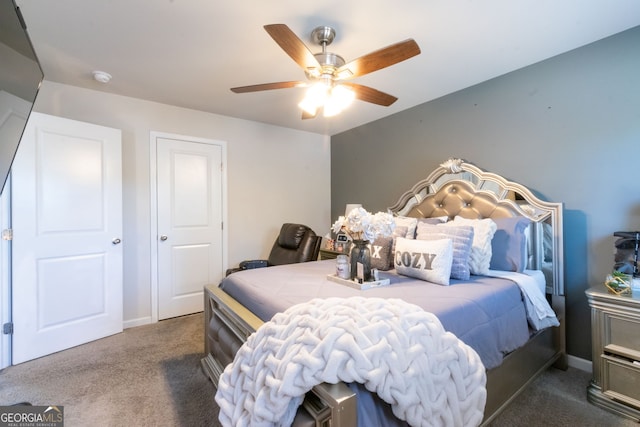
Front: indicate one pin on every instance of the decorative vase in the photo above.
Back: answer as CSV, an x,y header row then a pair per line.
x,y
361,260
619,283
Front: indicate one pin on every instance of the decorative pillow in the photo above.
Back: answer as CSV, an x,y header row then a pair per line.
x,y
509,244
410,223
483,231
435,220
381,253
428,260
398,231
462,238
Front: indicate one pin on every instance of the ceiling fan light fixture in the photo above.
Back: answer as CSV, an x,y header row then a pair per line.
x,y
332,100
344,74
315,97
308,106
339,99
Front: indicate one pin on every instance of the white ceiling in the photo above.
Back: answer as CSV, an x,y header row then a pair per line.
x,y
190,52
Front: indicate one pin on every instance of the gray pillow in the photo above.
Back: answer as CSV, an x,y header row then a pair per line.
x,y
509,244
434,221
462,239
398,231
381,253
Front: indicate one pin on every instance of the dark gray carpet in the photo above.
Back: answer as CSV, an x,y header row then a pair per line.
x,y
146,376
151,376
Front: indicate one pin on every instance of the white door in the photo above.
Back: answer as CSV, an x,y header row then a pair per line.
x,y
67,224
189,222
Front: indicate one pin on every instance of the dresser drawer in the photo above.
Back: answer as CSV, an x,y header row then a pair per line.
x,y
621,380
622,332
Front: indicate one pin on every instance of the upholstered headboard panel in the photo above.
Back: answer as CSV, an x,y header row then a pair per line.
x,y
461,198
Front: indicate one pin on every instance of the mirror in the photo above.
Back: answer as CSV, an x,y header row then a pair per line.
x,y
20,79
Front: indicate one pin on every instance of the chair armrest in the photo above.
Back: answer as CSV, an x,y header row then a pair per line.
x,y
247,265
253,263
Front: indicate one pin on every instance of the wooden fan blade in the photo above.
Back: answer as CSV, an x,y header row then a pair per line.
x,y
267,86
293,46
379,59
369,94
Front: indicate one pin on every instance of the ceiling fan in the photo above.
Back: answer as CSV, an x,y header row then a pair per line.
x,y
328,72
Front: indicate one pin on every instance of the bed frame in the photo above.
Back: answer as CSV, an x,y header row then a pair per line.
x,y
454,188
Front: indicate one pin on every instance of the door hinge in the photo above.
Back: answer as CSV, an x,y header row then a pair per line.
x,y
7,328
7,234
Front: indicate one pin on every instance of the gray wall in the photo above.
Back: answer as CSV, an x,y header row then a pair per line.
x,y
568,128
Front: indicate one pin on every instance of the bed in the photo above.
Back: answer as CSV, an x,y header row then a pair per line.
x,y
459,192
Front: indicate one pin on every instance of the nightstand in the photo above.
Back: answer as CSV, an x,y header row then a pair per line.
x,y
615,334
330,254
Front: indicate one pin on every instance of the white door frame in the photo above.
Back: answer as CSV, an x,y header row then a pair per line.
x,y
12,109
5,274
154,206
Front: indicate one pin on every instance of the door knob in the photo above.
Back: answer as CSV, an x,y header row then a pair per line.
x,y
116,241
163,237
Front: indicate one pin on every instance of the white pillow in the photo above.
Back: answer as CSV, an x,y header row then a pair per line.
x,y
483,231
428,260
410,223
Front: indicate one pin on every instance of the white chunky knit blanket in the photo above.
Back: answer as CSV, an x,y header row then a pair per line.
x,y
394,348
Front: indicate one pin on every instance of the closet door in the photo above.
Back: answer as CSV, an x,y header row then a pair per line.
x,y
190,187
67,225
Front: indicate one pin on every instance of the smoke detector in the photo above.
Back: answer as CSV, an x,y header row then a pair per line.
x,y
101,76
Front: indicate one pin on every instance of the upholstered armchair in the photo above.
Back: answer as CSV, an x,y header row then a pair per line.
x,y
295,243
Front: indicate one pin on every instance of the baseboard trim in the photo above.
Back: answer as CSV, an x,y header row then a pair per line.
x,y
582,364
136,322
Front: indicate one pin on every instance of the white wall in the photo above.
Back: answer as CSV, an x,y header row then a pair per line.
x,y
274,175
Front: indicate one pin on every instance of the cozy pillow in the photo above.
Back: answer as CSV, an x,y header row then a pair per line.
x,y
483,231
428,260
462,238
381,253
410,223
509,244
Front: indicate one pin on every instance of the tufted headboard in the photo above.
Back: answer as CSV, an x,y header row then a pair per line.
x,y
460,188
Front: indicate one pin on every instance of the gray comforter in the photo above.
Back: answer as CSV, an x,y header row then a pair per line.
x,y
486,313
